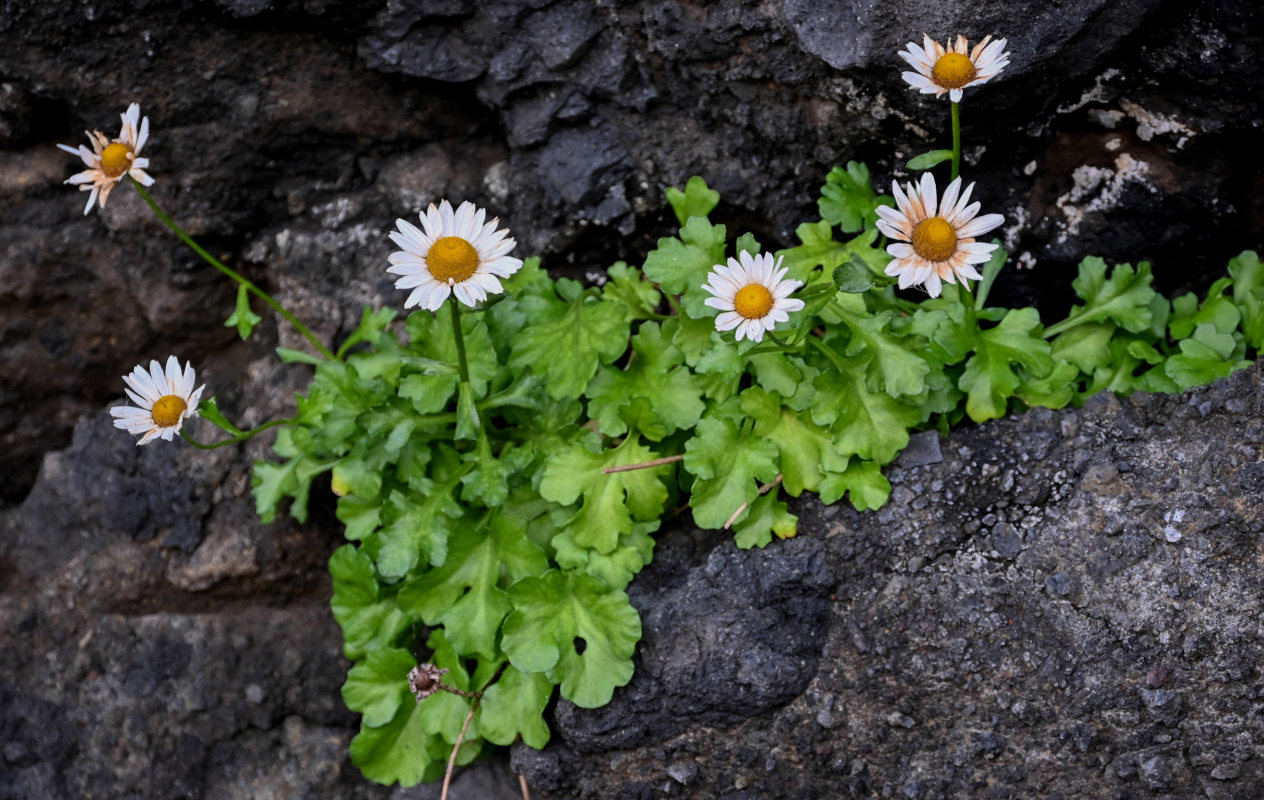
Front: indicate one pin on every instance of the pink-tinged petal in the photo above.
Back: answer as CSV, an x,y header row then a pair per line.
x,y
962,45
144,134
463,294
790,305
968,271
907,278
91,199
719,303
900,250
982,225
955,95
87,176
889,230
948,203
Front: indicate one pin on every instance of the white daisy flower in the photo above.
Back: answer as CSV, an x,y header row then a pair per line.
x,y
109,161
949,69
935,239
456,254
752,295
165,400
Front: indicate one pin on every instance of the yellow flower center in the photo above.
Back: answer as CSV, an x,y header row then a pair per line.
x,y
934,239
753,301
452,259
115,159
168,410
952,71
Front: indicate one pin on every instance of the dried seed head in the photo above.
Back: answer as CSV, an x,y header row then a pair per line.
x,y
423,680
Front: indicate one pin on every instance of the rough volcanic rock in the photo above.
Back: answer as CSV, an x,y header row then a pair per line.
x,y
1063,604
288,134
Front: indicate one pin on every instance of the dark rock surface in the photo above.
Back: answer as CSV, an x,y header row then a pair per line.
x,y
288,134
1067,605
156,641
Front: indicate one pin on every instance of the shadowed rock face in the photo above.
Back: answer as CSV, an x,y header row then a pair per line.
x,y
1065,604
1020,621
288,135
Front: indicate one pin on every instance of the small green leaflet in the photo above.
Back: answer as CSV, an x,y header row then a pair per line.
x,y
611,502
589,332
514,706
696,200
928,159
873,425
729,466
655,373
464,594
556,610
848,199
378,685
989,378
368,620
765,517
680,266
1124,298
242,317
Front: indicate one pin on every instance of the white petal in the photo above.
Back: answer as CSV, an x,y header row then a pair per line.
x,y
981,225
728,321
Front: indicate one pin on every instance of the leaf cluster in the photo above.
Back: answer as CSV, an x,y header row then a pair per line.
x,y
490,531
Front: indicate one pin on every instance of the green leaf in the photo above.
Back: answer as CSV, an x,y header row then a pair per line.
x,y
464,594
611,502
873,425
628,285
990,270
615,569
567,349
864,483
696,200
806,450
747,243
514,706
1086,346
377,686
289,356
209,410
272,483
895,367
434,358
989,378
416,526
1248,293
1054,390
242,317
680,266
1204,357
1123,299
765,517
556,612
928,159
488,482
848,200
368,620
855,277
372,328
654,373
729,466
400,751
1220,311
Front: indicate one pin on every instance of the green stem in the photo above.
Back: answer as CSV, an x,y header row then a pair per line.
x,y
214,262
243,436
462,366
956,140
829,353
1063,326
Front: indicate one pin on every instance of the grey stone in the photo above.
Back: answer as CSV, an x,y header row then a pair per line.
x,y
923,449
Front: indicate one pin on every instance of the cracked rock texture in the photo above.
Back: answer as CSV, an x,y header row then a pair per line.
x,y
1064,604
289,134
157,641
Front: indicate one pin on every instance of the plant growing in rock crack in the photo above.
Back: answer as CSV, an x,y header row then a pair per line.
x,y
504,454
